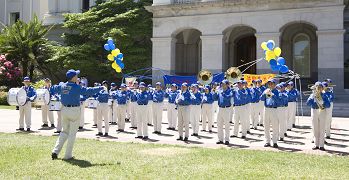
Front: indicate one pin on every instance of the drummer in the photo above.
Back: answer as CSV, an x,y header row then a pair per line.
x,y
25,110
45,108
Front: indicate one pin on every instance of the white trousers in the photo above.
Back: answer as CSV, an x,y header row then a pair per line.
x,y
70,122
150,112
248,120
329,120
44,113
241,117
215,111
207,116
94,116
121,114
254,114
283,117
59,121
82,116
102,114
261,110
319,123
25,112
195,114
270,118
142,123
157,116
291,114
172,115
128,110
112,113
223,121
133,117
183,120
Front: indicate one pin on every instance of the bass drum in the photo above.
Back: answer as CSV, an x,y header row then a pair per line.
x,y
17,97
42,97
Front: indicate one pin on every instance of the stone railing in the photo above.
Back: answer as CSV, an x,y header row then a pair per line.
x,y
185,1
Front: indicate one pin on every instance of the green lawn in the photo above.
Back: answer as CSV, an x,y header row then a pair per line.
x,y
7,107
28,156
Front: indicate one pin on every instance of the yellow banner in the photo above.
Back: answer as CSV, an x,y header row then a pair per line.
x,y
263,77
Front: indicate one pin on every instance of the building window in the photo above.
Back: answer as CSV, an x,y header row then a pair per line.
x,y
85,5
14,17
301,55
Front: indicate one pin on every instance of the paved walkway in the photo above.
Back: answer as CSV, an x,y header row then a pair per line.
x,y
299,139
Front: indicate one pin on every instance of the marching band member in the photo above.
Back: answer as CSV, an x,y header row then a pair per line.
x,y
271,100
25,111
282,110
319,103
330,95
158,98
82,108
45,112
240,97
95,110
248,106
293,95
215,88
207,109
255,98
195,108
112,110
59,115
102,110
261,108
133,104
121,98
150,105
172,107
70,95
183,100
224,97
142,111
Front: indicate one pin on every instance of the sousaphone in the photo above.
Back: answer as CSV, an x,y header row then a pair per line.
x,y
233,75
205,77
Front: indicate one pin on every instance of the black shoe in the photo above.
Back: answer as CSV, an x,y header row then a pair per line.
x,y
120,130
195,134
145,137
57,132
53,126
180,138
243,137
267,145
80,127
281,139
226,143
94,126
186,139
139,137
150,124
44,125
28,129
285,134
248,132
106,135
54,156
262,125
315,148
288,129
233,136
322,149
312,141
159,132
275,145
219,142
155,132
328,137
212,125
169,128
255,128
210,131
20,129
293,125
99,134
326,142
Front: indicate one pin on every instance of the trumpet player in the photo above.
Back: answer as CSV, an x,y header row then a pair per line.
x,y
195,109
158,98
183,100
248,105
142,112
133,104
260,88
330,95
121,98
319,103
255,106
240,97
112,111
224,97
282,110
293,96
103,111
207,109
271,100
172,107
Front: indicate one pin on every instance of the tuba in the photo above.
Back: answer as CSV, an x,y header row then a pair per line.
x,y
205,77
233,75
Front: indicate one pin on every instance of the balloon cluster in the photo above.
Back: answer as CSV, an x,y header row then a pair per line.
x,y
115,55
272,55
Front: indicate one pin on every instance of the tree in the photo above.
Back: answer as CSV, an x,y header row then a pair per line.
x,y
26,45
126,21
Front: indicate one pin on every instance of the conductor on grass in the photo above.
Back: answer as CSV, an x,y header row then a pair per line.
x,y
70,97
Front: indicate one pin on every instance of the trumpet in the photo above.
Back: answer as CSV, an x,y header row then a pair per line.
x,y
233,75
205,77
268,93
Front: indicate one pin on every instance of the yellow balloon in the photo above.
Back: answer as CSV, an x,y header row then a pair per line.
x,y
270,55
115,52
116,67
277,51
264,46
110,57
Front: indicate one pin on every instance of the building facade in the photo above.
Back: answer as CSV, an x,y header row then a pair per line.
x,y
190,35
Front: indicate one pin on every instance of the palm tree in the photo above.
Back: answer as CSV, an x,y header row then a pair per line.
x,y
24,43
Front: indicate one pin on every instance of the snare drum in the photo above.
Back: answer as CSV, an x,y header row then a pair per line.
x,y
55,105
17,97
42,97
92,103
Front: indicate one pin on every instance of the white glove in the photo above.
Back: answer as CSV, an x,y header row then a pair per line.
x,y
181,97
205,98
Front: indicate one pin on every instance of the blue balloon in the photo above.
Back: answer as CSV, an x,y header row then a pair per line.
x,y
110,42
106,47
272,62
275,68
271,44
284,69
281,61
119,62
120,56
111,47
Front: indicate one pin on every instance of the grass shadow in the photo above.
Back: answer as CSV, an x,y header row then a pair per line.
x,y
83,130
125,132
336,145
293,142
193,142
204,137
165,135
231,145
249,139
83,163
287,149
341,140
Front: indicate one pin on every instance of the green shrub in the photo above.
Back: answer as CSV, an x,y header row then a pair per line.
x,y
38,84
3,98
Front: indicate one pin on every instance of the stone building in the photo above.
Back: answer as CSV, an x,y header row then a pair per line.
x,y
190,35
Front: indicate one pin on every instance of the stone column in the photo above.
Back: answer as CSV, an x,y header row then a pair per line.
x,y
163,57
212,52
331,56
263,66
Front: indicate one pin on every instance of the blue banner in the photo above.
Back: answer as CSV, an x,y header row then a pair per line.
x,y
169,79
